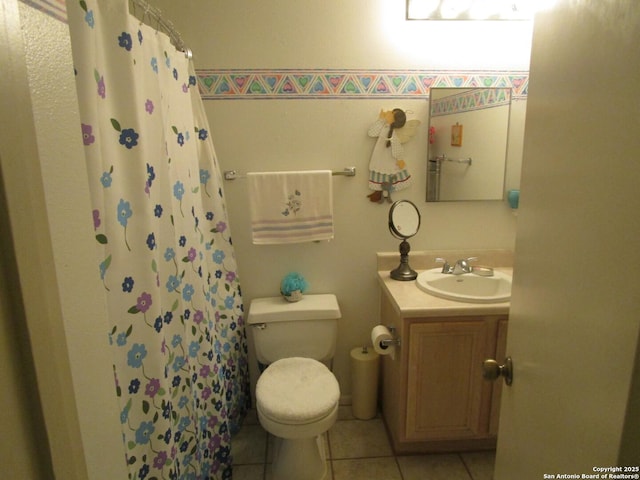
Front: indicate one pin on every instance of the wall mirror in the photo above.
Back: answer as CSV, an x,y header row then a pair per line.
x,y
468,140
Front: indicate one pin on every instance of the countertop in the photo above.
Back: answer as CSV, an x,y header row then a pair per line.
x,y
411,302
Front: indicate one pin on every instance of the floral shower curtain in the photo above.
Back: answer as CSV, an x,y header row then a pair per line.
x,y
165,253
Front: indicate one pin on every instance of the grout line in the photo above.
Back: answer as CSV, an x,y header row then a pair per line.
x,y
395,457
330,454
266,457
365,457
466,467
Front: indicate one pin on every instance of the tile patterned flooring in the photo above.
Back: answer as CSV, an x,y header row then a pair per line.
x,y
359,450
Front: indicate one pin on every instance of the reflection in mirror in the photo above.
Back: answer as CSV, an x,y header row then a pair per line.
x,y
404,219
468,133
404,222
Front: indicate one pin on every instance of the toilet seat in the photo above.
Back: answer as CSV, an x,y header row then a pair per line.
x,y
297,391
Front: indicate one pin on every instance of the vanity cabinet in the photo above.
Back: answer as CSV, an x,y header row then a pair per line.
x,y
434,397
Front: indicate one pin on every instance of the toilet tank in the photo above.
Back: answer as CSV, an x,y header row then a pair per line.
x,y
307,328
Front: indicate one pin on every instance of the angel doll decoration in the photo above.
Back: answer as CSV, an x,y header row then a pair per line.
x,y
387,168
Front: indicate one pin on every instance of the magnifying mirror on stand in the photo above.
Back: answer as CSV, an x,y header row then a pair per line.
x,y
404,222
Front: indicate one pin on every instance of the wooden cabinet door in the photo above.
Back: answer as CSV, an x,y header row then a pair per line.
x,y
444,381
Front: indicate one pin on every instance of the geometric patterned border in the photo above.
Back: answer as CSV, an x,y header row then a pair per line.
x,y
262,84
470,100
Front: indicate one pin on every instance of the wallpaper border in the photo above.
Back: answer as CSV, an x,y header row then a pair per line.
x,y
263,84
470,100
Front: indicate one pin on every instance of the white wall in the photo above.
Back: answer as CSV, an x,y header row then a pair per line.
x,y
28,457
258,135
45,180
82,299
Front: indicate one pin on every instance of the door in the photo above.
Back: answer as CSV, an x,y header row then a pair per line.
x,y
574,321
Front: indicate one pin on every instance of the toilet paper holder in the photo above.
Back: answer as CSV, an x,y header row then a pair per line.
x,y
392,341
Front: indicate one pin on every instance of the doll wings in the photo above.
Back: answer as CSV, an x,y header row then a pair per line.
x,y
407,132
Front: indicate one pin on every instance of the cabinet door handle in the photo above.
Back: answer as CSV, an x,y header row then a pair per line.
x,y
492,370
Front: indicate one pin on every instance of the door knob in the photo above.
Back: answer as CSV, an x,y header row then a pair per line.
x,y
492,370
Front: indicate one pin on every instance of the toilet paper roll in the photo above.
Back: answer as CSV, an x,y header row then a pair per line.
x,y
364,383
378,334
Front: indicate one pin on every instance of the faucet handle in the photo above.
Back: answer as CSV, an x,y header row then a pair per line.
x,y
472,259
446,268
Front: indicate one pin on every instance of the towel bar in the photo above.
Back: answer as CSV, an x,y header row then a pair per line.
x,y
346,172
444,158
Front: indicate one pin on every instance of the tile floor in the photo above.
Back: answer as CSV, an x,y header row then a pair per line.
x,y
359,450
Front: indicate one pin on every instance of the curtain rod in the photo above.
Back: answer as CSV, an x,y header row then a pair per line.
x,y
155,15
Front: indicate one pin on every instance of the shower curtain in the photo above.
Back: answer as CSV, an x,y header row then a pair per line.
x,y
165,253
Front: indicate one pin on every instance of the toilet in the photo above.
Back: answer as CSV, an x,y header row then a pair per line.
x,y
297,395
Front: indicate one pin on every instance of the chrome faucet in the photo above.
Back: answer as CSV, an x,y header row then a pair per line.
x,y
461,266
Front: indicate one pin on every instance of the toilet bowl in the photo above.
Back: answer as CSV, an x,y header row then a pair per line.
x,y
297,402
296,395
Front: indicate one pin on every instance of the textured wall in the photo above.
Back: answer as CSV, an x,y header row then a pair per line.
x,y
68,213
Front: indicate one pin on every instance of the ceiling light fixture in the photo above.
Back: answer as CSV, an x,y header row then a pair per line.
x,y
475,9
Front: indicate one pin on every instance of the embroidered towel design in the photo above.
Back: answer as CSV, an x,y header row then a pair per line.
x,y
291,207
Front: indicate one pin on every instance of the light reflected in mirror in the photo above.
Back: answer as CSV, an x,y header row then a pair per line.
x,y
468,139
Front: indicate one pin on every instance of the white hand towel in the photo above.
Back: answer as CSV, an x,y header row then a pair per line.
x,y
291,207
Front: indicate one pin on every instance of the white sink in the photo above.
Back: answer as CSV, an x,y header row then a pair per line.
x,y
466,287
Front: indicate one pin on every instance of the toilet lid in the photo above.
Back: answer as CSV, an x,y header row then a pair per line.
x,y
297,390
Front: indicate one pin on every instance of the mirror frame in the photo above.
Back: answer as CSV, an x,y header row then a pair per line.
x,y
393,227
435,162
